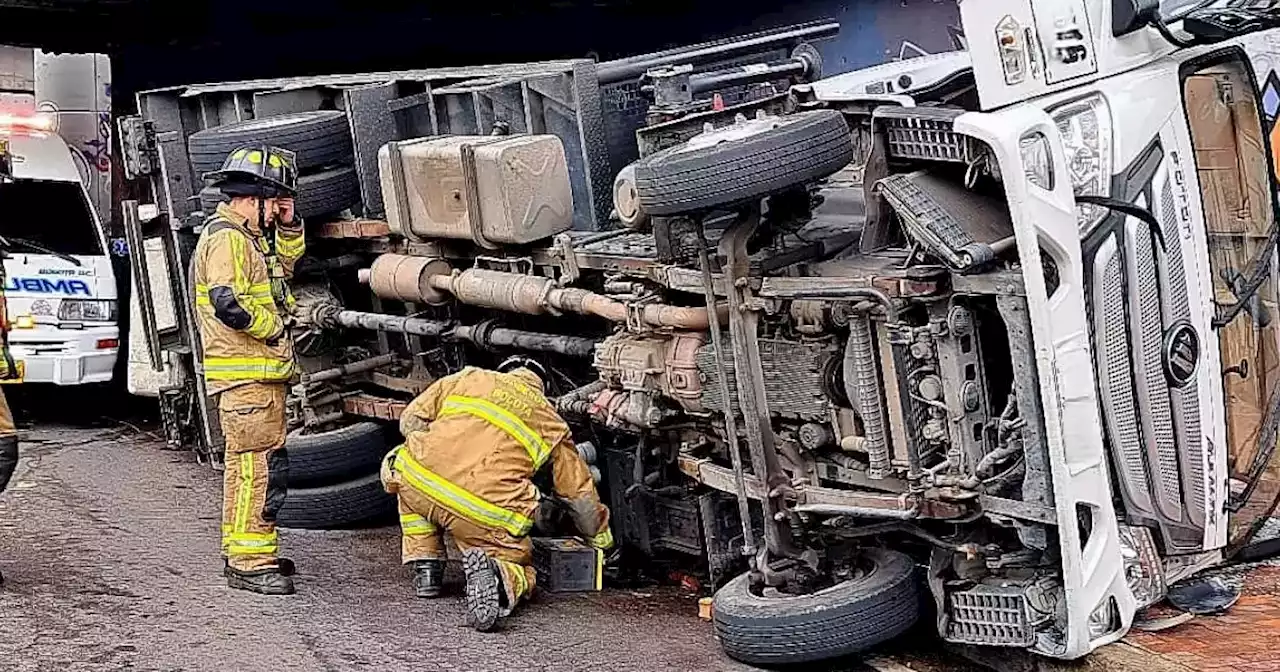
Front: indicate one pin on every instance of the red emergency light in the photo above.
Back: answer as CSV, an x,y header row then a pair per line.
x,y
41,123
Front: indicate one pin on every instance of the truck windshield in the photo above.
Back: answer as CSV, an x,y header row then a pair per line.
x,y
52,214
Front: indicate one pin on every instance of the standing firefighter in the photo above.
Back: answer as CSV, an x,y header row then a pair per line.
x,y
246,253
473,442
10,371
8,430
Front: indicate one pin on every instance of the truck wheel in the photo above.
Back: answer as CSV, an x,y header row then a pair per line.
x,y
328,457
327,192
331,507
878,604
209,200
320,139
324,193
749,160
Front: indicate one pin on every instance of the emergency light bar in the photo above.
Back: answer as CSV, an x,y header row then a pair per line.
x,y
28,122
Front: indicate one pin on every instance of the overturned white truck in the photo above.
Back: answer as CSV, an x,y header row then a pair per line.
x,y
993,327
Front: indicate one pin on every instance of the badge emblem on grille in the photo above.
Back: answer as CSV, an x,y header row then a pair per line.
x,y
1181,353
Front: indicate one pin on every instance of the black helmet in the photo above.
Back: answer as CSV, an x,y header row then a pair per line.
x,y
521,362
257,170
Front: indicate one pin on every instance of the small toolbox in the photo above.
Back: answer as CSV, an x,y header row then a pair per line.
x,y
567,565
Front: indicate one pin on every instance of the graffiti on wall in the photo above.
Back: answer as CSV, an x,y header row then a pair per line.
x,y
76,90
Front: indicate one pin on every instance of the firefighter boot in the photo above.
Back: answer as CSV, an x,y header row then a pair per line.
x,y
428,577
268,581
485,593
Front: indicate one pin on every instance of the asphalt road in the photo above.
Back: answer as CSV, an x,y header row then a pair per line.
x,y
109,548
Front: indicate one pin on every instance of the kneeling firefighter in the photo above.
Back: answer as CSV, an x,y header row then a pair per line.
x,y
473,442
244,308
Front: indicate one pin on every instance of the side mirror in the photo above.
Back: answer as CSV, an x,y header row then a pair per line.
x,y
1130,16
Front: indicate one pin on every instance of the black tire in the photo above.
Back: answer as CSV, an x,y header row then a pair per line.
x,y
331,507
327,192
209,200
319,138
846,618
801,148
335,456
323,193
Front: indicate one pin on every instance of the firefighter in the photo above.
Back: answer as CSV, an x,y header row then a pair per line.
x,y
244,309
473,442
10,371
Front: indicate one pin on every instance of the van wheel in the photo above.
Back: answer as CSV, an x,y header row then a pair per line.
x,y
746,161
331,507
319,138
879,603
336,455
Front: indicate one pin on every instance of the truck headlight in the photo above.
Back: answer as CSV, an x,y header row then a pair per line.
x,y
1104,620
1037,160
87,310
1143,570
1085,126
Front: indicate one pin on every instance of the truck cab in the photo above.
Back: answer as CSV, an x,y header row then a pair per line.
x,y
59,283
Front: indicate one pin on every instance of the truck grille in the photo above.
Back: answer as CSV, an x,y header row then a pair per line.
x,y
1138,294
924,133
990,616
1118,396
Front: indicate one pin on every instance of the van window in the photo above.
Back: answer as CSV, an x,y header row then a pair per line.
x,y
53,214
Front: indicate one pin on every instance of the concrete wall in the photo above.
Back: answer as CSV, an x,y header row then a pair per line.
x,y
77,88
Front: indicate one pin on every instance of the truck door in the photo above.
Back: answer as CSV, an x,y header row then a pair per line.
x,y
1233,163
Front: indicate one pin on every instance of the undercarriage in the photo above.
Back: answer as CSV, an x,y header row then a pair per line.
x,y
795,336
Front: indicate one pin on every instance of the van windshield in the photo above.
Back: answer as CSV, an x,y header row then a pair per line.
x,y
52,214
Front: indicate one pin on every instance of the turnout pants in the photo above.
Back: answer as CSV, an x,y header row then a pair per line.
x,y
8,443
254,481
423,522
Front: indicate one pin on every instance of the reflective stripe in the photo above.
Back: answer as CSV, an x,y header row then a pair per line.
x,y
292,246
516,571
602,540
414,525
260,295
247,368
263,325
244,496
252,543
503,419
457,499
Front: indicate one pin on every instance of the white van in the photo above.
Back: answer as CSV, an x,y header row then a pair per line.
x,y
59,283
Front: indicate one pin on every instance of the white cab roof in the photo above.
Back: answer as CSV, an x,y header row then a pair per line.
x,y
41,156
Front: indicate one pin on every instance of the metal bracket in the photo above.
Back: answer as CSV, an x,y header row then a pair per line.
x,y
138,151
566,259
745,345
